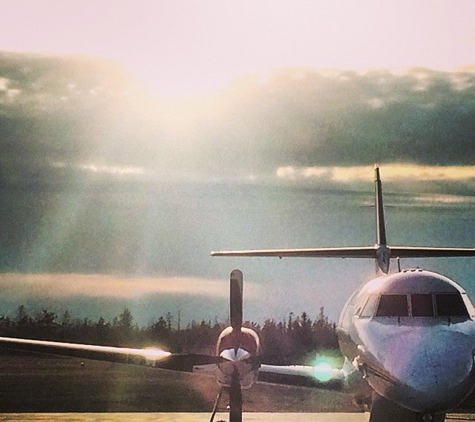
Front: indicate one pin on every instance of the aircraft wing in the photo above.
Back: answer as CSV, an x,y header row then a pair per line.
x,y
146,356
305,375
351,252
295,370
320,376
303,370
155,357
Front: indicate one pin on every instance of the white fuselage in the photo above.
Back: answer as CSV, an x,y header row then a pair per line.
x,y
412,335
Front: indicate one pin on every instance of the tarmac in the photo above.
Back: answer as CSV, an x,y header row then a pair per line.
x,y
182,417
199,417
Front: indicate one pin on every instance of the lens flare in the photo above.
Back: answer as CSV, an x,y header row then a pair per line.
x,y
323,371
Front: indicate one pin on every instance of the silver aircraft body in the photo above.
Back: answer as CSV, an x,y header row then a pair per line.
x,y
409,335
412,336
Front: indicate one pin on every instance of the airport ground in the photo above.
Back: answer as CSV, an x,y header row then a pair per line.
x,y
48,388
183,417
197,417
39,383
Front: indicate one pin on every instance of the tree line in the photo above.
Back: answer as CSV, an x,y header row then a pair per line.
x,y
292,340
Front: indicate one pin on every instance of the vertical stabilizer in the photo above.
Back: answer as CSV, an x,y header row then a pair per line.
x,y
236,285
383,253
380,225
380,251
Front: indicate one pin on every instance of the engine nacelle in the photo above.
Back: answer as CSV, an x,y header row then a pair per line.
x,y
238,353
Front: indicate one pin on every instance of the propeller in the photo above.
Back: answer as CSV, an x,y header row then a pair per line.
x,y
235,398
235,394
237,351
235,295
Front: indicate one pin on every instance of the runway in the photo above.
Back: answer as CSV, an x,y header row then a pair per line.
x,y
182,417
199,417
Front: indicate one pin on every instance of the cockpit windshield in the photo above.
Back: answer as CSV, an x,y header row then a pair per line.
x,y
450,305
393,305
420,305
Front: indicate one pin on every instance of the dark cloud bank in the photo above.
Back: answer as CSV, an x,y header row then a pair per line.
x,y
59,114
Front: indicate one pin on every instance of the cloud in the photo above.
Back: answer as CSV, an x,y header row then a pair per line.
x,y
20,287
452,184
111,169
88,113
392,172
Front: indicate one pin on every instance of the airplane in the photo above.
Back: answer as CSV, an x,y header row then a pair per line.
x,y
409,336
433,328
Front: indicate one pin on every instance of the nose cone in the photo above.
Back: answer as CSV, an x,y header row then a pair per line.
x,y
433,367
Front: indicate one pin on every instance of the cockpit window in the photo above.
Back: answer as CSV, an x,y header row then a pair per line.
x,y
415,305
369,307
422,305
450,304
393,305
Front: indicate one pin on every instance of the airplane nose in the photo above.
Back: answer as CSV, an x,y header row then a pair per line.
x,y
436,366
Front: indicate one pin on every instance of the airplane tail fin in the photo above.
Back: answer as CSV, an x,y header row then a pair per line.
x,y
236,298
381,251
380,225
383,254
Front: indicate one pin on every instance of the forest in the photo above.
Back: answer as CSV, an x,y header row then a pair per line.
x,y
293,341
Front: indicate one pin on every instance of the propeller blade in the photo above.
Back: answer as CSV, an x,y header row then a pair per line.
x,y
236,299
235,398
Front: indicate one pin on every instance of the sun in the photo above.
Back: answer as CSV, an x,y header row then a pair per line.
x,y
176,84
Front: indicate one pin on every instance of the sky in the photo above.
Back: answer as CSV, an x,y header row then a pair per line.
x,y
104,103
181,48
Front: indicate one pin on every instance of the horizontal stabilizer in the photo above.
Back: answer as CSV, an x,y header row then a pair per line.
x,y
353,252
426,252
